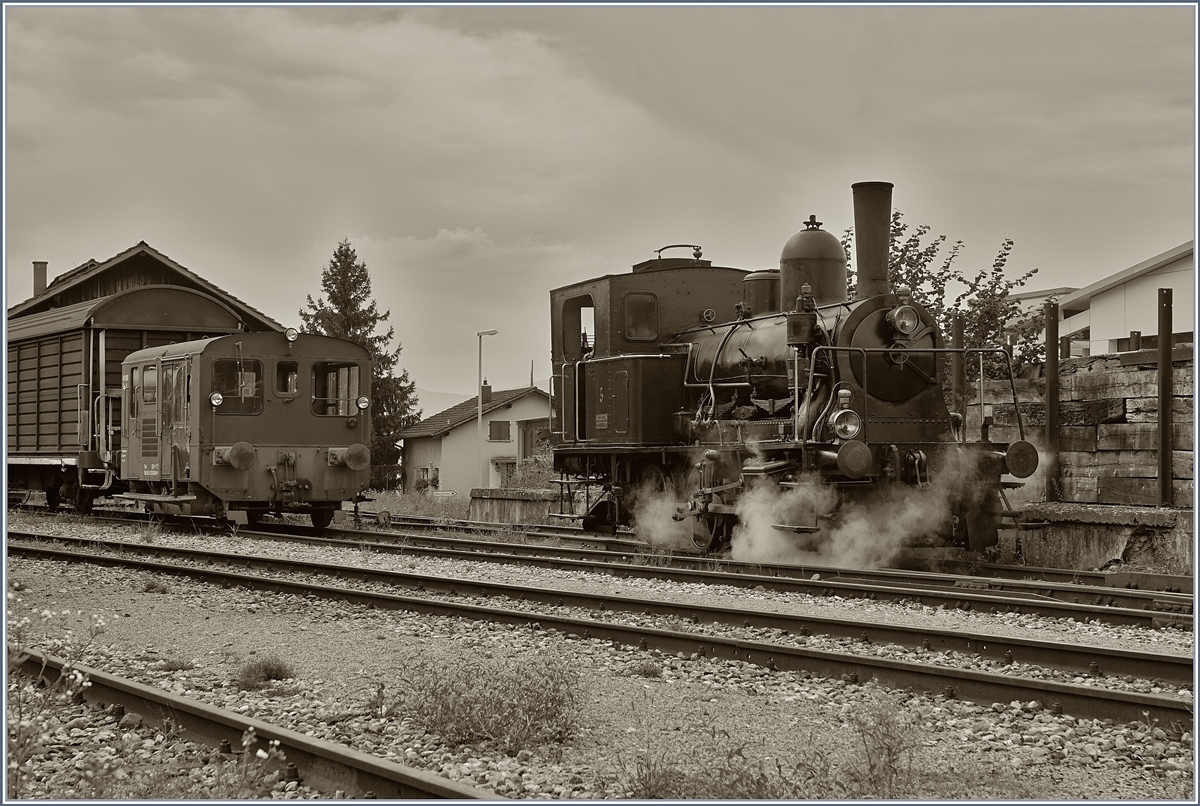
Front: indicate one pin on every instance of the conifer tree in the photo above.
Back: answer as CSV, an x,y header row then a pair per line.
x,y
347,311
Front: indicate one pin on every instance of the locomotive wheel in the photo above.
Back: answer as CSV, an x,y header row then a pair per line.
x,y
321,518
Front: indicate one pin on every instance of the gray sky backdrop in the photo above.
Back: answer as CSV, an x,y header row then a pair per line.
x,y
478,157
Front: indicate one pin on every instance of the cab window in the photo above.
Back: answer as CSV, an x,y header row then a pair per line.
x,y
240,383
335,388
135,377
641,317
287,378
150,384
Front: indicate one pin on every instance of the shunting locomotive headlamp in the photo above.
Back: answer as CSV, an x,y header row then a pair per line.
x,y
905,319
291,334
362,402
216,398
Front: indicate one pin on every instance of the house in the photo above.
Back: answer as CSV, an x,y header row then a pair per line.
x,y
138,266
445,447
1120,312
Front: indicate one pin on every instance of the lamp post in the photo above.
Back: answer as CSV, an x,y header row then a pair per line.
x,y
479,404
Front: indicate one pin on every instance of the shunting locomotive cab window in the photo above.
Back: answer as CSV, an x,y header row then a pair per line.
x,y
240,383
335,388
641,317
287,378
150,384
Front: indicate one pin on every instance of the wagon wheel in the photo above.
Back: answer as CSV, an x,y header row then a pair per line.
x,y
83,500
321,518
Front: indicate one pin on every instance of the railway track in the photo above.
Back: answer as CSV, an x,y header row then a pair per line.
x,y
324,765
986,687
1140,608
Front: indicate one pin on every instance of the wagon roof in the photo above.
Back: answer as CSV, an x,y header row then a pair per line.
x,y
446,421
340,349
91,269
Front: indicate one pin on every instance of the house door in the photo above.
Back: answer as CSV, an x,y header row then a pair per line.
x,y
173,413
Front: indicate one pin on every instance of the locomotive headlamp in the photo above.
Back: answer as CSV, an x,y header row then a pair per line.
x,y
905,319
216,398
845,423
362,402
291,334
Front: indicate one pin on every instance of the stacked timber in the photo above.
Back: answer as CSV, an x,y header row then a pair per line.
x,y
1108,425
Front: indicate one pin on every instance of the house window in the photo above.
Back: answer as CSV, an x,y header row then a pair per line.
x,y
498,431
641,317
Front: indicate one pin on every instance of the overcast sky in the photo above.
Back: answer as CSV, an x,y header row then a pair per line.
x,y
478,157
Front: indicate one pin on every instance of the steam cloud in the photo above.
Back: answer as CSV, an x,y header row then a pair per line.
x,y
861,534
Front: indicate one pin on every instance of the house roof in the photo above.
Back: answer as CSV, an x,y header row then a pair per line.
x,y
1081,300
446,421
91,268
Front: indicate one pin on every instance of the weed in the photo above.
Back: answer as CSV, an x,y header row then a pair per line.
x,y
149,531
515,701
420,505
645,668
257,672
177,665
32,698
154,586
250,773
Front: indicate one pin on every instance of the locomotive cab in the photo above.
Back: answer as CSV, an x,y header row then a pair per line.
x,y
238,426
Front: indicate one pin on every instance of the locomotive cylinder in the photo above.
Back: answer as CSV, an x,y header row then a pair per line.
x,y
815,257
872,237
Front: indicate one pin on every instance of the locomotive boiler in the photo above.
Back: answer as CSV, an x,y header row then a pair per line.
x,y
707,383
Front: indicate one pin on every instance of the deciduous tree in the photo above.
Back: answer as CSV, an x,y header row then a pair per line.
x,y
347,311
984,299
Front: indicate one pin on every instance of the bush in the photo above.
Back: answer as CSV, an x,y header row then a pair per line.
x,y
515,702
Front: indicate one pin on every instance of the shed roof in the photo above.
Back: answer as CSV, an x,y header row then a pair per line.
x,y
446,421
177,308
92,268
1081,300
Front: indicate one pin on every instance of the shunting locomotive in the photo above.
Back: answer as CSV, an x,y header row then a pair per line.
x,y
707,383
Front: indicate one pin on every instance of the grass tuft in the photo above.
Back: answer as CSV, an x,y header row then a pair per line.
x,y
258,672
515,702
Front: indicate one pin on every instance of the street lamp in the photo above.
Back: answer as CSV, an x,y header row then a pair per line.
x,y
479,403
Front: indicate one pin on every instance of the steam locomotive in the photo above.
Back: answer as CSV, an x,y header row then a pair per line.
x,y
716,388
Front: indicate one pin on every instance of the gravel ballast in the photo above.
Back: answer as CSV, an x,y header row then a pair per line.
x,y
342,654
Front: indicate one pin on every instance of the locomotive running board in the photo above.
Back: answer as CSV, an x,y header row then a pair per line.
x,y
800,530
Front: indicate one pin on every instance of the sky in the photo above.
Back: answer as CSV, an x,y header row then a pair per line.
x,y
477,157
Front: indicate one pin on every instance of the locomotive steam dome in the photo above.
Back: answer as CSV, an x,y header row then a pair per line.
x,y
815,257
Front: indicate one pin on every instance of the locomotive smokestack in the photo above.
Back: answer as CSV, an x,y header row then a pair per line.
x,y
872,236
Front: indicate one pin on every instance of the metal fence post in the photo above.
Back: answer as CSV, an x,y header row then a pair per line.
x,y
1164,397
1053,487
